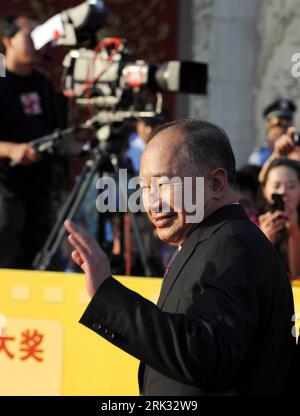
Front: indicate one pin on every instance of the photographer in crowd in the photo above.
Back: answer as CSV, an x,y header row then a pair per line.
x,y
279,117
27,110
286,146
280,220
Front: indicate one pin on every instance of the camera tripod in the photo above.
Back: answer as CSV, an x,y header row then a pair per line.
x,y
99,156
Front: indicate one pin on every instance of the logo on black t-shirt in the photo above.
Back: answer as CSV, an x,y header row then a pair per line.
x,y
31,103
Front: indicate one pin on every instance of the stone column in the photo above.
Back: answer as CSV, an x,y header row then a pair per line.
x,y
279,39
232,72
193,45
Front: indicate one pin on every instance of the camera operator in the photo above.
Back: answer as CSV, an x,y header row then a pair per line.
x,y
27,110
279,117
281,223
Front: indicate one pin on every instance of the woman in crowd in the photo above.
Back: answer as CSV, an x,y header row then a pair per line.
x,y
281,223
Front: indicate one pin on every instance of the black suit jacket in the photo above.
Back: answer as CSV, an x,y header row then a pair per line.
x,y
223,322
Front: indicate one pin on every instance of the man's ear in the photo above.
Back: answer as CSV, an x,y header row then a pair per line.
x,y
219,181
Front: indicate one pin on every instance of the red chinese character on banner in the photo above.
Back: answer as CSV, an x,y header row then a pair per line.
x,y
31,340
3,346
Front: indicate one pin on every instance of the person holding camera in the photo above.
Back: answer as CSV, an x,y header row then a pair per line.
x,y
279,117
280,222
288,145
28,111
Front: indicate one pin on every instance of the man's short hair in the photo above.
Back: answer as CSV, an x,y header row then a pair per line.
x,y
208,145
9,27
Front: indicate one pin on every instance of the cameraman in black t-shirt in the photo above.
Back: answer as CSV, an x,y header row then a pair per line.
x,y
27,111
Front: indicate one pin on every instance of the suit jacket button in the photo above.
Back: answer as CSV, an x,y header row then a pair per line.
x,y
112,336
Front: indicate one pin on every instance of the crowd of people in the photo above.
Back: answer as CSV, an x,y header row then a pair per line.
x,y
269,186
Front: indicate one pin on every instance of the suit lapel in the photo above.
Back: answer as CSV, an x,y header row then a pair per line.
x,y
202,232
177,265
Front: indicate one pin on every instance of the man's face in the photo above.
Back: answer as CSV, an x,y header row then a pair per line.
x,y
276,128
20,46
163,159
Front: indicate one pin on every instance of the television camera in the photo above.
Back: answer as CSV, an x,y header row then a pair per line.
x,y
101,74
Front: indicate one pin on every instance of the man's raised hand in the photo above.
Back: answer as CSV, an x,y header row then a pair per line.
x,y
89,256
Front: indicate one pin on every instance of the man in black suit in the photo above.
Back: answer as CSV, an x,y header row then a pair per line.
x,y
223,322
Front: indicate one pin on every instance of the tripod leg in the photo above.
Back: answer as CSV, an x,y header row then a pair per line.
x,y
138,238
135,228
69,209
140,244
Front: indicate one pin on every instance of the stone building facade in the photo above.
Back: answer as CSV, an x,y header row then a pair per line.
x,y
248,46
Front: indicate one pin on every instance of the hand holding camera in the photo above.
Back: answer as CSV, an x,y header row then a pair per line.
x,y
287,143
281,215
271,223
274,221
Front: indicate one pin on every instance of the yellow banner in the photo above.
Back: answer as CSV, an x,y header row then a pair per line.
x,y
43,348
